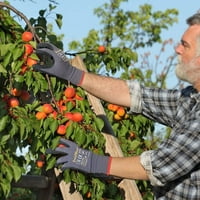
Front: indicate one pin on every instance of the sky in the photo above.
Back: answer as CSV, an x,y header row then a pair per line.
x,y
79,18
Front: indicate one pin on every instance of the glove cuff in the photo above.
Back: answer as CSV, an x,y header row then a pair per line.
x,y
101,164
76,76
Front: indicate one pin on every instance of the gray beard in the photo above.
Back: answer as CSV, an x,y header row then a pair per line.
x,y
188,72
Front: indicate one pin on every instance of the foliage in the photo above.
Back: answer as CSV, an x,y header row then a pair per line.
x,y
123,32
20,128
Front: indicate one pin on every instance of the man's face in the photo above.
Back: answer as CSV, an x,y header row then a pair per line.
x,y
189,72
188,68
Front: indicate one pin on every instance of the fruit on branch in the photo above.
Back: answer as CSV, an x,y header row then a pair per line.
x,y
30,62
28,49
70,92
121,112
24,68
40,163
112,107
77,117
40,115
16,92
13,102
47,108
27,36
25,96
61,130
69,115
101,49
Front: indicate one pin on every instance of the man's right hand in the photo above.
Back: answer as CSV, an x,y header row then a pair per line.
x,y
53,61
73,157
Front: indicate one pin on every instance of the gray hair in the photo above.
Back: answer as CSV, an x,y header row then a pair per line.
x,y
194,19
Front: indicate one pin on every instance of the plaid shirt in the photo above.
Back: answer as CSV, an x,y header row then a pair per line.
x,y
174,167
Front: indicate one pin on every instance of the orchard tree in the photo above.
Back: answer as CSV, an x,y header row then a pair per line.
x,y
36,109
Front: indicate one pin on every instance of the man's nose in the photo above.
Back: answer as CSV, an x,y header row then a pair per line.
x,y
179,49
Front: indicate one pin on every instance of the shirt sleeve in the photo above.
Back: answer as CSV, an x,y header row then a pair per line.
x,y
136,96
178,155
156,104
145,160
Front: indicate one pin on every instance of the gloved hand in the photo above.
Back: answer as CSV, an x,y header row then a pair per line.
x,y
54,62
73,157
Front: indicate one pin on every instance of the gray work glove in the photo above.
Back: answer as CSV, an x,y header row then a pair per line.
x,y
73,157
54,62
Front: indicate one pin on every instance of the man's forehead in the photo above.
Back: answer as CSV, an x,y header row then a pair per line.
x,y
191,33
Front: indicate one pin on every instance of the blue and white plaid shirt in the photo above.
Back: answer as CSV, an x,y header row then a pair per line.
x,y
173,168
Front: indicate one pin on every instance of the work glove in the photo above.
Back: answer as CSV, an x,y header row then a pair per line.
x,y
54,62
73,157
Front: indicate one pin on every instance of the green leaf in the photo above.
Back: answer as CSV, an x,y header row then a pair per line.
x,y
16,172
81,178
80,137
19,78
5,48
7,59
48,133
2,36
135,144
70,130
66,175
9,173
39,144
53,125
59,20
51,163
17,53
5,185
99,123
14,129
2,69
42,12
4,139
22,128
55,142
3,122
